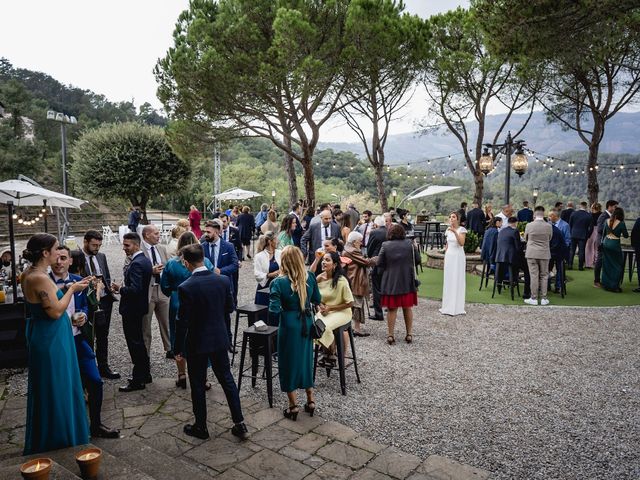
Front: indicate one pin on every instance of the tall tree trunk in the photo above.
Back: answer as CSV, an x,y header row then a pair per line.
x,y
593,188
382,194
309,181
291,173
478,180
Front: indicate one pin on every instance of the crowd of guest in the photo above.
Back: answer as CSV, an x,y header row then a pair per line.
x,y
320,268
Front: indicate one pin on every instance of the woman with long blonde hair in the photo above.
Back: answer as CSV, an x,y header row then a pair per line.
x,y
290,299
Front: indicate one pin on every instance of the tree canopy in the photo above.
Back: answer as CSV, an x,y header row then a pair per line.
x,y
128,160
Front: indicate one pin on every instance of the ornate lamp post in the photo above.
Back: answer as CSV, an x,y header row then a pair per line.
x,y
394,194
509,147
536,192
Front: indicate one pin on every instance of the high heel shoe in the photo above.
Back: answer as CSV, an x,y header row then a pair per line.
x,y
310,408
182,381
291,413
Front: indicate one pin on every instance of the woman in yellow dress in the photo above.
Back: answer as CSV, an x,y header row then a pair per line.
x,y
335,309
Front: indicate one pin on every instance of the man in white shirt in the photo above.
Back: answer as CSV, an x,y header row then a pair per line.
x,y
505,214
365,228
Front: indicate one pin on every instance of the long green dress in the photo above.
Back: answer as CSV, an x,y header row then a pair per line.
x,y
612,258
295,352
56,412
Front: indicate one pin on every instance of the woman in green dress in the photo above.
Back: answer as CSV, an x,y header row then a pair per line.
x,y
612,258
56,412
288,226
335,309
290,298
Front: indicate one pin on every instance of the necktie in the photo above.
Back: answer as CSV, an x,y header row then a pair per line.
x,y
60,282
326,232
364,235
213,255
92,269
154,258
225,236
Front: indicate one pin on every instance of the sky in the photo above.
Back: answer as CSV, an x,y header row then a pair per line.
x,y
112,47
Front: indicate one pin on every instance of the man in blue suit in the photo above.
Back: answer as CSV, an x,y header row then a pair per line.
x,y
91,378
581,225
509,251
134,304
525,214
635,243
559,253
490,242
223,257
201,338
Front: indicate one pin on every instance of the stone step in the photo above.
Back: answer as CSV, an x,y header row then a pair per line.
x,y
66,468
159,466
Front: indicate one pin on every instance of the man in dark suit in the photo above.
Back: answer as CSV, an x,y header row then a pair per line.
x,y
223,257
610,206
476,219
635,243
89,373
201,338
376,238
231,234
96,264
317,233
559,253
462,214
565,215
134,305
525,214
581,225
509,252
296,236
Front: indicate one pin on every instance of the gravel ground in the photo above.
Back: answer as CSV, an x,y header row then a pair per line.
x,y
548,392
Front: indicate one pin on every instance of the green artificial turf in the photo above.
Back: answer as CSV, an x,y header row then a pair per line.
x,y
580,290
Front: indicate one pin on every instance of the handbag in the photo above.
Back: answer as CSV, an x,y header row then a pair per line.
x,y
318,327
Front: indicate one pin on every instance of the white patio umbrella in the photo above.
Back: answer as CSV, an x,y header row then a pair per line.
x,y
237,194
432,190
18,193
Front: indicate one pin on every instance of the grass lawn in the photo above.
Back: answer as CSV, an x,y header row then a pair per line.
x,y
580,291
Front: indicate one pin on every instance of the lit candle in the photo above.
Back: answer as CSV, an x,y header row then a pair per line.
x,y
34,468
88,456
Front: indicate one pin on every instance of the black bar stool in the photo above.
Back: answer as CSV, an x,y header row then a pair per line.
x,y
252,311
499,282
338,334
486,273
264,339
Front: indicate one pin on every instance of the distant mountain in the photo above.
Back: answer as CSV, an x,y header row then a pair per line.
x,y
621,136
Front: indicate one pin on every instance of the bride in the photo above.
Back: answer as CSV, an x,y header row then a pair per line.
x,y
453,289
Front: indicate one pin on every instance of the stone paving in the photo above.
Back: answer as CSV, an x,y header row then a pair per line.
x,y
153,445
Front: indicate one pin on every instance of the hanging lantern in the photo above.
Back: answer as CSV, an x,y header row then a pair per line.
x,y
486,162
520,161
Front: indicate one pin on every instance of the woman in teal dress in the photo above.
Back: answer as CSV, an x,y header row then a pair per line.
x,y
288,226
612,258
56,412
173,274
290,299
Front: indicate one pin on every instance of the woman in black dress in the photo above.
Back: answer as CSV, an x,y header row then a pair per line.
x,y
246,225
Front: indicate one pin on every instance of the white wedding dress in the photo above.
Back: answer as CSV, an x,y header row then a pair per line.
x,y
453,288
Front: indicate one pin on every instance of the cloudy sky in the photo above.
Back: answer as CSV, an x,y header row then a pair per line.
x,y
111,47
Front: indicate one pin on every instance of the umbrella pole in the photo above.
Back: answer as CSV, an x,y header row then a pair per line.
x,y
12,246
46,225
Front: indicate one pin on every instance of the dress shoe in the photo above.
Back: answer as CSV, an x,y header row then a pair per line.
x,y
378,318
149,379
104,432
196,431
169,355
131,387
240,430
109,374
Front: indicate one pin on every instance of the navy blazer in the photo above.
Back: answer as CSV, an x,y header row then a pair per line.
x,y
581,224
525,215
205,301
476,221
635,237
312,239
566,214
376,238
489,245
134,295
509,246
227,257
558,246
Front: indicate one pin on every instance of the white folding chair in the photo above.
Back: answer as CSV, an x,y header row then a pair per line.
x,y
109,235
